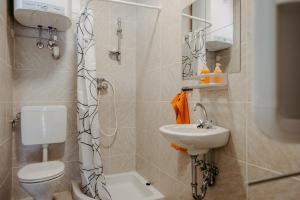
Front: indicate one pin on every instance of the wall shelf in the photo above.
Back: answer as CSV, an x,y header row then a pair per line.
x,y
216,82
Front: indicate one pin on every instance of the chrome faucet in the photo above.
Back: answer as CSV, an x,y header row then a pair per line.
x,y
203,123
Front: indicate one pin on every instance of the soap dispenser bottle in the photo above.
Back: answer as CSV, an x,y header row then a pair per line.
x,y
218,79
205,71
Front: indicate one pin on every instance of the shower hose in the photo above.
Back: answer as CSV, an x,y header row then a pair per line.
x,y
103,87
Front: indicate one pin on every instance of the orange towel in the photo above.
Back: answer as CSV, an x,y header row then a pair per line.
x,y
181,108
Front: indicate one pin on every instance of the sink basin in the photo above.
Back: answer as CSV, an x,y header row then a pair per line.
x,y
195,140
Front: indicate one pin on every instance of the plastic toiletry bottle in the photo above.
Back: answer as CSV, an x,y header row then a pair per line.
x,y
218,79
206,79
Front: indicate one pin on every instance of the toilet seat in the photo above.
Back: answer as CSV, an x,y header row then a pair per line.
x,y
41,172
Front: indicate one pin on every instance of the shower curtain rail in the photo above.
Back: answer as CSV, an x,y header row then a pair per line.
x,y
209,24
128,3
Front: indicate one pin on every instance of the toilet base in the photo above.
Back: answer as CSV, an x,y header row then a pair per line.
x,y
41,191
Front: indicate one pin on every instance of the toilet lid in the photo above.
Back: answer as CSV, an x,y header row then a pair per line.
x,y
43,171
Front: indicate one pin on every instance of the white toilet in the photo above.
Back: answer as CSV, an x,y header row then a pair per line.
x,y
42,125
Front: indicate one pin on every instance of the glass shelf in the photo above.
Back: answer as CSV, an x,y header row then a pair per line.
x,y
210,81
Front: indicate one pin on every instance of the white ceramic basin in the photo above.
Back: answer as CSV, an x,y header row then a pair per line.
x,y
195,140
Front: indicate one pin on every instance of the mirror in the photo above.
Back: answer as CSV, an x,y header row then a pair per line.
x,y
211,37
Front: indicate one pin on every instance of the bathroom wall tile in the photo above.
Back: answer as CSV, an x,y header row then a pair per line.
x,y
149,40
140,138
244,21
63,37
6,43
22,154
44,85
147,170
3,10
233,117
230,183
17,191
121,163
28,56
5,121
124,86
171,188
106,113
67,151
170,81
268,153
107,65
148,145
5,159
186,3
6,84
150,57
102,21
171,37
174,163
148,115
121,156
126,114
276,190
124,143
148,88
6,62
71,173
127,13
5,187
63,196
167,114
128,38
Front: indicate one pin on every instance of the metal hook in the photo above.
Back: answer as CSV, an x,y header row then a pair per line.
x,y
39,43
52,38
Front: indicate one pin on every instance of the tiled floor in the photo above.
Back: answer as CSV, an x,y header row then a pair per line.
x,y
58,196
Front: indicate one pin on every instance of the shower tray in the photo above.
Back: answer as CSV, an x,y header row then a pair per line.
x,y
124,186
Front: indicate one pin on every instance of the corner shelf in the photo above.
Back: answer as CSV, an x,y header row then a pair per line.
x,y
191,83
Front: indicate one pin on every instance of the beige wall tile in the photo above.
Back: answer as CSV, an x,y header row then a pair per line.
x,y
5,160
233,117
280,189
124,143
5,187
147,170
121,163
230,183
28,57
6,62
120,157
44,85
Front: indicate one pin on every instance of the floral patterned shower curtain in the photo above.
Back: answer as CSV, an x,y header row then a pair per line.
x,y
194,53
93,181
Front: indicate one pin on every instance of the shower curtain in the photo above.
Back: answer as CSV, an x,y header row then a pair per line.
x,y
91,168
194,53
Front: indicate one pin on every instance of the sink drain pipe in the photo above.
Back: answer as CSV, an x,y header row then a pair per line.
x,y
209,173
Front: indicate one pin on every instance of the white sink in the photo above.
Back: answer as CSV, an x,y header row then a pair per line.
x,y
195,140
